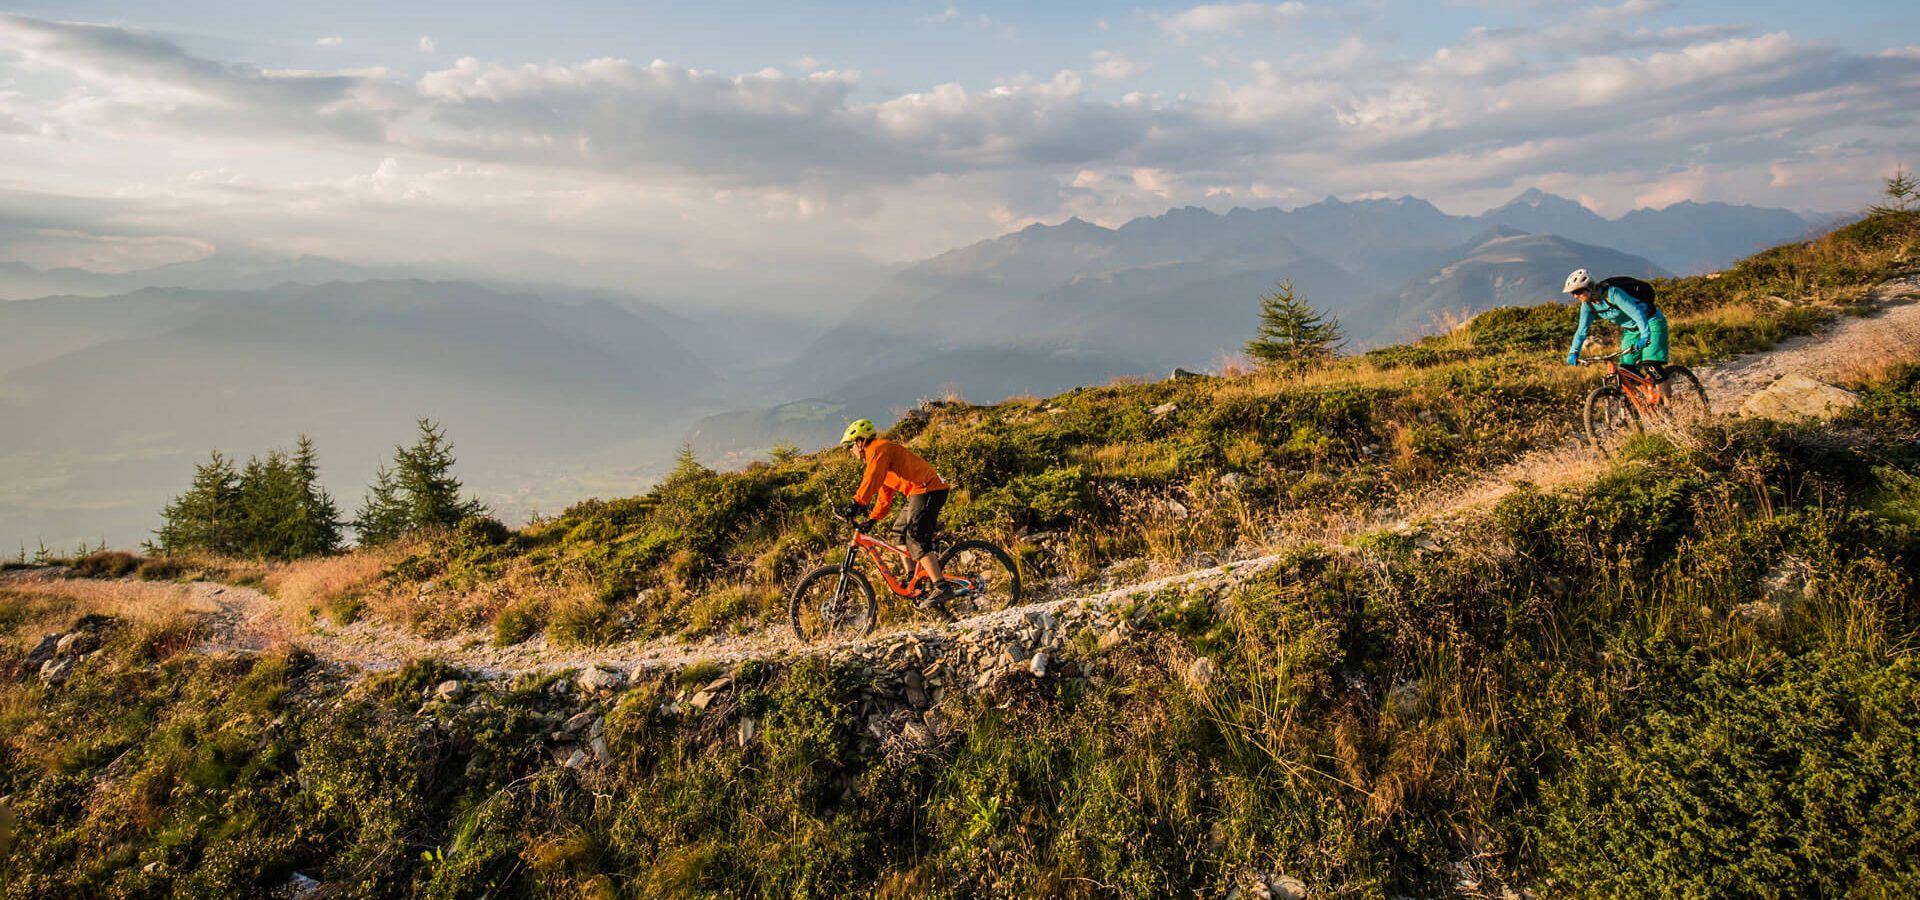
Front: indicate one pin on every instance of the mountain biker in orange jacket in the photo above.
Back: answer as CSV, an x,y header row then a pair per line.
x,y
893,470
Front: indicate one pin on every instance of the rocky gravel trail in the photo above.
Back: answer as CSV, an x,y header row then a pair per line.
x,y
991,644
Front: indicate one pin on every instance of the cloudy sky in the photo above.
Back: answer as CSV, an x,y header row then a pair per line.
x,y
604,142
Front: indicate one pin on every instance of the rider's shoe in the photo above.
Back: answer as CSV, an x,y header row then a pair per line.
x,y
936,600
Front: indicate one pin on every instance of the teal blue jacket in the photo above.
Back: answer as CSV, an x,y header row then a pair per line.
x,y
1618,307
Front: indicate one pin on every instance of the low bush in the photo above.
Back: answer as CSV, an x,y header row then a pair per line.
x,y
107,564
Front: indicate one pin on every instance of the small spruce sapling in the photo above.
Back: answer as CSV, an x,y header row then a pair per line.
x,y
1292,332
1902,190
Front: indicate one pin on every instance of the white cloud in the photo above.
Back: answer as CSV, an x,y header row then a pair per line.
x,y
425,44
1235,18
1613,116
332,40
1110,66
52,248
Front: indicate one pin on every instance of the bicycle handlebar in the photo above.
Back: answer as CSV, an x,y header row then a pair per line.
x,y
1607,358
858,524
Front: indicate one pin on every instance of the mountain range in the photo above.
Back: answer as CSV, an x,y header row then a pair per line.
x,y
122,395
1050,307
552,392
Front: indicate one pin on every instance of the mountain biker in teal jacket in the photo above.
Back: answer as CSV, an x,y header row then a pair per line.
x,y
1643,328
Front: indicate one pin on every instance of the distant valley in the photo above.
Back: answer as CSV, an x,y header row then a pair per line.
x,y
551,393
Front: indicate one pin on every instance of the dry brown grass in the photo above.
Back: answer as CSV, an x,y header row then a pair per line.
x,y
69,598
43,602
333,584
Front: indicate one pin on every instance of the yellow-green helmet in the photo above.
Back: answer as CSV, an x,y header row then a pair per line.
x,y
860,430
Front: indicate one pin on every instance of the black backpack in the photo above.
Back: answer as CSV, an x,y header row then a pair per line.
x,y
1635,288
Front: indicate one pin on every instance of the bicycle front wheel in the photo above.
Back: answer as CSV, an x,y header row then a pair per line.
x,y
1686,398
983,578
830,603
1611,419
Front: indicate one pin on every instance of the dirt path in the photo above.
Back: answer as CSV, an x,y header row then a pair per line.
x,y
1891,331
239,618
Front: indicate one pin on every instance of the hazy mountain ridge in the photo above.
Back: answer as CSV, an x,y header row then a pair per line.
x,y
1181,289
1499,267
532,392
563,371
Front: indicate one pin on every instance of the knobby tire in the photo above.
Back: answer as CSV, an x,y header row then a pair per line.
x,y
1610,417
1003,588
818,586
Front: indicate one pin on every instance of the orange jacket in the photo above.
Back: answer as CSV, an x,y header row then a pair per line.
x,y
894,470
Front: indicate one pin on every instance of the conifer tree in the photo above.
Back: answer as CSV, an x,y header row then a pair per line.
x,y
208,517
1292,332
1901,189
269,500
273,508
383,514
425,473
318,530
420,491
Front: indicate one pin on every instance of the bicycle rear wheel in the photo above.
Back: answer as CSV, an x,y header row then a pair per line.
x,y
983,578
1611,419
1686,398
832,602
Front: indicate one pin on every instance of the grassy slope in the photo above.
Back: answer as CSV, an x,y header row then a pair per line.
x,y
1573,694
1085,480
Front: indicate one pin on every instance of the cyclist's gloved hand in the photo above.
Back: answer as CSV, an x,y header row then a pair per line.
x,y
854,512
1640,346
1573,359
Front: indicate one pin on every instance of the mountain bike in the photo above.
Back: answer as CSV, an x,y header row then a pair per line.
x,y
1625,400
838,601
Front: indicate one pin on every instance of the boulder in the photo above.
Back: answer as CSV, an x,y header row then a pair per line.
x,y
300,886
43,651
917,733
1782,590
75,644
1405,697
1200,672
1796,397
55,671
1286,887
1038,665
597,679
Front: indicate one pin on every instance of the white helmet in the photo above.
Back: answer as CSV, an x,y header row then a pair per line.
x,y
1579,279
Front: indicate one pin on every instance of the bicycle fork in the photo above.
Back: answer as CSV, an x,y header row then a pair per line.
x,y
832,611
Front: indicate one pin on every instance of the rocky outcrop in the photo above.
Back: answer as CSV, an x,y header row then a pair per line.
x,y
1797,397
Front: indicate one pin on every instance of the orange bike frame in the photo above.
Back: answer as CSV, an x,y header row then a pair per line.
x,y
873,546
1643,393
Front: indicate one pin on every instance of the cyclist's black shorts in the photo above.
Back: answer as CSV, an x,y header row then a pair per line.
x,y
919,520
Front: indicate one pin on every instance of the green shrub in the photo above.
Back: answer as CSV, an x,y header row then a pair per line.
x,y
1548,326
1791,779
108,564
